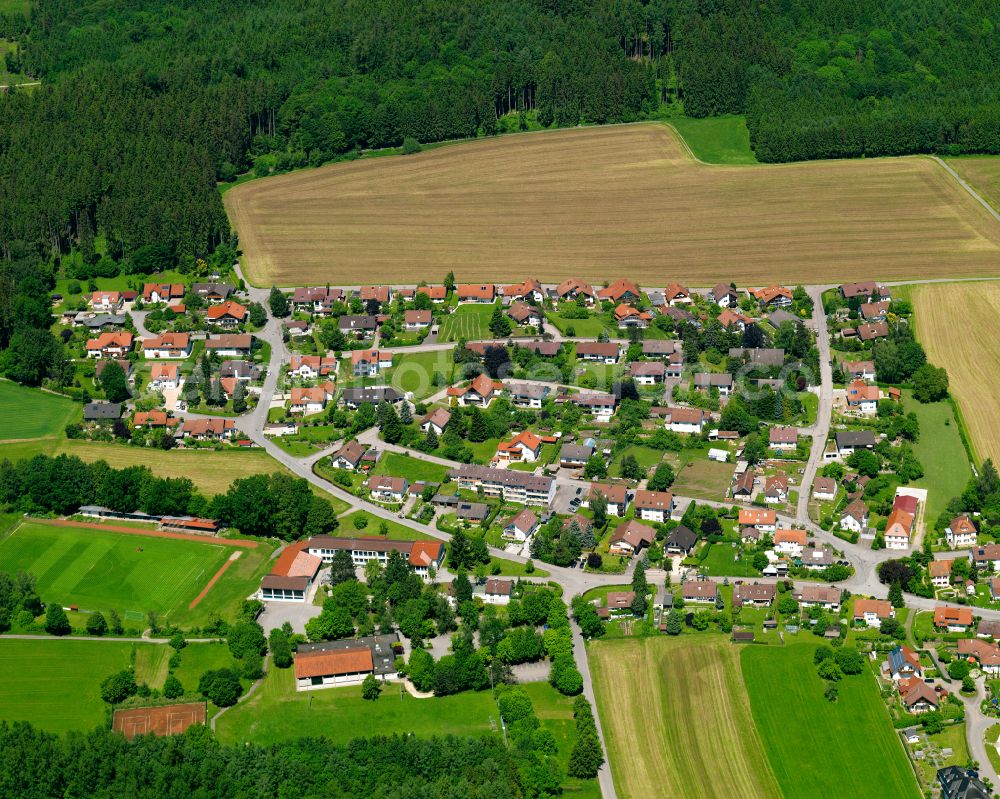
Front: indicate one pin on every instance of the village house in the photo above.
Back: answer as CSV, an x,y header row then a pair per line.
x,y
521,527
383,488
903,663
230,345
498,591
824,489
472,511
985,654
480,392
525,447
723,295
210,429
153,420
472,292
676,294
348,456
862,399
628,317
527,395
680,541
940,572
514,486
600,406
529,289
743,485
106,301
616,604
310,367
783,439
437,420
875,311
860,370
873,611
869,331
700,591
165,376
734,320
99,321
226,314
546,349
790,542
850,441
815,558
162,292
213,293
572,287
293,574
621,291
353,398
575,456
358,326
961,533
647,373
759,356
776,489
379,294
110,345
606,352
898,528
615,494
686,420
822,596
369,363
918,697
167,345
416,320
722,381
317,300
954,620
864,290
854,517
772,296
755,595
763,519
310,399
524,314
986,556
102,411
654,506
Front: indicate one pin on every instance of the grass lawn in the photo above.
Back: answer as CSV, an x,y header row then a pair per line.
x,y
992,738
277,712
598,373
647,457
940,451
722,559
99,570
808,739
415,371
591,327
55,684
196,659
703,479
32,413
952,737
717,140
413,469
469,321
397,531
667,730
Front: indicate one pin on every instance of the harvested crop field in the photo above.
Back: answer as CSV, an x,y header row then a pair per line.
x,y
959,326
603,202
982,172
683,727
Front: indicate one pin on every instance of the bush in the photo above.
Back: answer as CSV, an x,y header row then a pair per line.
x,y
56,622
221,686
172,687
411,146
118,687
96,624
370,688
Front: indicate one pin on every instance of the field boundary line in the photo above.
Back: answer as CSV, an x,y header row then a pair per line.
x,y
214,579
965,185
114,528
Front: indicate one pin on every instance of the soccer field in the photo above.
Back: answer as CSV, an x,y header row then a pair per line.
x,y
98,570
32,413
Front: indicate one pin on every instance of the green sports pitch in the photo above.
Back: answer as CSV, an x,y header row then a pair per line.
x,y
98,570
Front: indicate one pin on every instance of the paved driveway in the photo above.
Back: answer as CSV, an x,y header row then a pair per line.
x,y
295,613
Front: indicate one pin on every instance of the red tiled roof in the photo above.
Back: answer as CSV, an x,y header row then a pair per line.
x,y
333,662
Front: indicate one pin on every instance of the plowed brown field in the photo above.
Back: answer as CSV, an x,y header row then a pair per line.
x,y
606,202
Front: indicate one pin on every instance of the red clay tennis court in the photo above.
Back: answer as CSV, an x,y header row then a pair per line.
x,y
163,720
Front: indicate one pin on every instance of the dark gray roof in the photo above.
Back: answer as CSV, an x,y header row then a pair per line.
x,y
103,319
239,369
575,452
681,537
373,394
358,322
216,289
855,439
763,356
502,476
779,316
476,511
960,783
102,410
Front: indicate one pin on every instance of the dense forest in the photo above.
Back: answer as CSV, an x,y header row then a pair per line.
x,y
37,765
146,104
